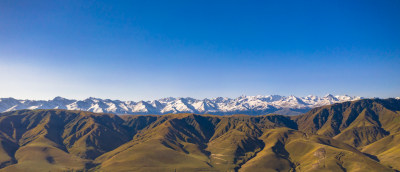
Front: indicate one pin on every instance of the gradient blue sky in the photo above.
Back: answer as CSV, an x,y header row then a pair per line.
x,y
153,49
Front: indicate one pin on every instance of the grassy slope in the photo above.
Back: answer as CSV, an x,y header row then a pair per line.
x,y
57,140
357,123
325,139
387,150
235,143
290,150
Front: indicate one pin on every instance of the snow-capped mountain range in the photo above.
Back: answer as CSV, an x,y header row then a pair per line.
x,y
253,105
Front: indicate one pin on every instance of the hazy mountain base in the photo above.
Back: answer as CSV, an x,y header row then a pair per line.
x,y
61,140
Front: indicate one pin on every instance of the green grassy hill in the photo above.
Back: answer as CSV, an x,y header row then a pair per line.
x,y
362,135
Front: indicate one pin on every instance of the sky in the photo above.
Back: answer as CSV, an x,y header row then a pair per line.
x,y
145,50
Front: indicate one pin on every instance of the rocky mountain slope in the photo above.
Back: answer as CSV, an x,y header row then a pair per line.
x,y
251,105
361,135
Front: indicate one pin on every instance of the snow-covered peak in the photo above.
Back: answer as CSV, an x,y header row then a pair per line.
x,y
58,98
259,104
330,97
167,99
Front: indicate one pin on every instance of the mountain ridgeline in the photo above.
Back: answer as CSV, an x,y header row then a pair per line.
x,y
362,135
251,105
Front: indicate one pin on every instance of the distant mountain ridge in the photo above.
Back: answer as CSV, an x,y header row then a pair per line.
x,y
252,105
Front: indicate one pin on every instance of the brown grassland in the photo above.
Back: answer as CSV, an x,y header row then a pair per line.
x,y
361,135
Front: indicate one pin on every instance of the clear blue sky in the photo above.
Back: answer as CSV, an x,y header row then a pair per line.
x,y
153,49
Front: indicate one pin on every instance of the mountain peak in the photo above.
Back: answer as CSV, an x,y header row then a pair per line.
x,y
59,98
255,105
329,95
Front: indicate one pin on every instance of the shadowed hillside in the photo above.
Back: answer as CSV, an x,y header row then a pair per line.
x,y
352,136
357,123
